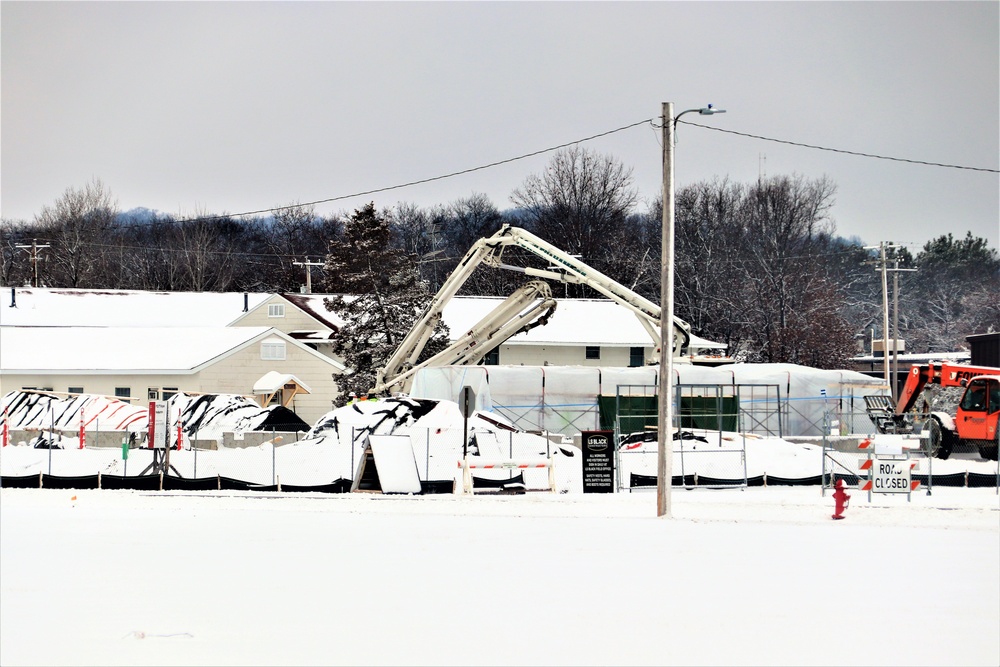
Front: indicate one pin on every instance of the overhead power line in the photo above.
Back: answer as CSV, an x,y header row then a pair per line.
x,y
427,180
555,148
839,150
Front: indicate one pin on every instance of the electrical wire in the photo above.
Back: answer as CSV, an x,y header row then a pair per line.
x,y
651,121
426,180
838,150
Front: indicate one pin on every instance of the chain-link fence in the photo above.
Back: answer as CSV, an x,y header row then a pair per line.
x,y
698,461
746,408
704,455
848,453
708,448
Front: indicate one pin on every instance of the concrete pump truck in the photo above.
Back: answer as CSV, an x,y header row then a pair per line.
x,y
529,306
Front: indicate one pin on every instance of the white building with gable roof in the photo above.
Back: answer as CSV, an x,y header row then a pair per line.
x,y
147,345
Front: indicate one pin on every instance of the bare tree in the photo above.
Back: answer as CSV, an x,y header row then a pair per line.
x,y
752,270
77,224
707,242
463,223
411,228
292,236
581,202
15,267
470,219
206,251
784,228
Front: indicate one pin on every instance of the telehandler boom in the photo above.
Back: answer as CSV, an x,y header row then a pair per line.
x,y
974,421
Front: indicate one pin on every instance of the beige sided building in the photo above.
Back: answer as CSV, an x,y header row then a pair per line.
x,y
301,316
138,364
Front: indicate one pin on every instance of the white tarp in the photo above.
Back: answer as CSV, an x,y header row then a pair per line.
x,y
436,430
562,399
397,468
203,416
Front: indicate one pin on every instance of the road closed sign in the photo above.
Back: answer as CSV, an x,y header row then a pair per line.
x,y
890,476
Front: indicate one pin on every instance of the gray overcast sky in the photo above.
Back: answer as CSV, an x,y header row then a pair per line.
x,y
212,107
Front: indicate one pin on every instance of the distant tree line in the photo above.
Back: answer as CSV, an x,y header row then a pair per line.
x,y
758,265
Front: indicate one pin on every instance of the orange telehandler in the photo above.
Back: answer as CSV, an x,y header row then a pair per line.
x,y
974,422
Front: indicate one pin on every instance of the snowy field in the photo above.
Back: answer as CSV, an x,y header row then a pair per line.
x,y
755,576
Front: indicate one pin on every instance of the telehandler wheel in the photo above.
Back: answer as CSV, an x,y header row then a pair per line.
x,y
988,450
938,439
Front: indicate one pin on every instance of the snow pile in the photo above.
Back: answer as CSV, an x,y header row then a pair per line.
x,y
208,416
727,456
435,429
205,416
37,410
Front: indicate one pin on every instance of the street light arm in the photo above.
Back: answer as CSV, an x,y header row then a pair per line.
x,y
704,111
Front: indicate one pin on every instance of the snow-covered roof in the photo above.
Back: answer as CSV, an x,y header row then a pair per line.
x,y
915,358
29,306
575,322
701,343
314,306
312,335
97,350
273,381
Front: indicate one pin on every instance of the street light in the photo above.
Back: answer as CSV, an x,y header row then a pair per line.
x,y
665,432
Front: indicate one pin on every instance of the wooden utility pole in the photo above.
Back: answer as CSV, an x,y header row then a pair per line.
x,y
885,322
895,323
895,319
665,402
884,269
308,266
34,247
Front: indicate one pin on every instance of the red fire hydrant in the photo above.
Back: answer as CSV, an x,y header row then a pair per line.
x,y
841,498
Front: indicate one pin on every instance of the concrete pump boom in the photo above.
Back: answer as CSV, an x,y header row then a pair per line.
x,y
507,319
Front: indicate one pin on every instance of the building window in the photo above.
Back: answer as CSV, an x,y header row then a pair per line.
x,y
272,350
492,357
123,392
636,356
276,310
593,352
75,390
168,393
153,394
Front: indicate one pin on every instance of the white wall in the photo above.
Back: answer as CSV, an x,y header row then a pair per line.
x,y
564,355
98,384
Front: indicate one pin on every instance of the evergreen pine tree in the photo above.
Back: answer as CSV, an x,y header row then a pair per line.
x,y
380,297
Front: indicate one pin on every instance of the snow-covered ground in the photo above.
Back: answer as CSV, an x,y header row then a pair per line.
x,y
754,576
734,576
